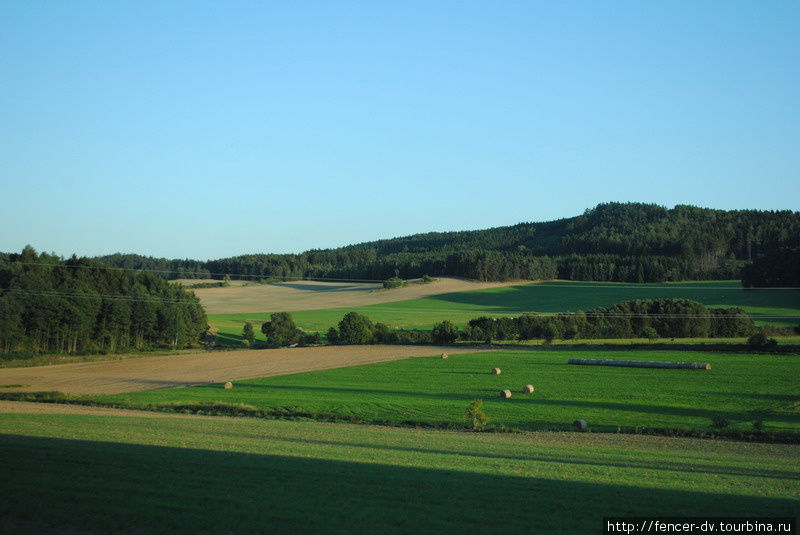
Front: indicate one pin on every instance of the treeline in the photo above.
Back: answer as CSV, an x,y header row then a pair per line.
x,y
780,269
628,242
161,267
659,318
79,305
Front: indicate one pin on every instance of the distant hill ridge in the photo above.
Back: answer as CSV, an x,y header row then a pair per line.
x,y
626,242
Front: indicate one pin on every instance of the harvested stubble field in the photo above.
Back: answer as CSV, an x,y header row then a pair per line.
x,y
147,373
312,295
102,473
740,388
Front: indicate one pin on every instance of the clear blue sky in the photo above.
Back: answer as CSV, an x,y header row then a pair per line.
x,y
211,129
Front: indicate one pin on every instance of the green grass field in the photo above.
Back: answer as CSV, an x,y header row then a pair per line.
x,y
774,307
433,391
125,474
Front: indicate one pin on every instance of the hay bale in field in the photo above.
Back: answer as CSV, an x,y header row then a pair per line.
x,y
505,394
444,355
228,385
579,425
528,389
496,371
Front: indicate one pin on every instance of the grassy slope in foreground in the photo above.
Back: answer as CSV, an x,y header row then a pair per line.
x,y
739,387
145,475
546,297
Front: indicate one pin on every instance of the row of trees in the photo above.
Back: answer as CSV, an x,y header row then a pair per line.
x,y
79,305
659,318
629,242
354,328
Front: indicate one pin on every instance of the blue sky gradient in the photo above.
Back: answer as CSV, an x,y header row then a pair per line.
x,y
211,129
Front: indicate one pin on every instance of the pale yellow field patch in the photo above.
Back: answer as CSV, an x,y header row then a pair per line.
x,y
313,295
150,373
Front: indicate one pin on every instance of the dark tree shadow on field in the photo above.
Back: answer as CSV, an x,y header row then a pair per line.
x,y
228,339
642,408
73,485
668,466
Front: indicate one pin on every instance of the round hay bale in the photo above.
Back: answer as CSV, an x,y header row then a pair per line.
x,y
528,389
444,355
228,385
580,425
708,366
505,394
496,371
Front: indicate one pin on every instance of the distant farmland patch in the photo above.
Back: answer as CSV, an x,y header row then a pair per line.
x,y
310,295
117,474
740,388
768,306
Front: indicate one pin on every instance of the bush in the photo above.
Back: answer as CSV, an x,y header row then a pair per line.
x,y
476,419
311,339
355,328
248,335
411,337
281,330
550,332
760,339
394,282
650,333
427,278
382,334
332,335
445,332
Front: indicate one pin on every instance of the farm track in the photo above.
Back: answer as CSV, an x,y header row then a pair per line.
x,y
313,295
150,373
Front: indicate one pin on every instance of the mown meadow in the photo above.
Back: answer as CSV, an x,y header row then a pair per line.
x,y
768,306
129,474
739,389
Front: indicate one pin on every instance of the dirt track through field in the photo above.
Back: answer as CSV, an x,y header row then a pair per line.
x,y
149,373
313,295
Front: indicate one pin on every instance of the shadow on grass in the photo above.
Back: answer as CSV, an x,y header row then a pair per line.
x,y
646,409
661,466
228,339
72,485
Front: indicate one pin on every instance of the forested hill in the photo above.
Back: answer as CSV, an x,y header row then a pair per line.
x,y
629,242
79,305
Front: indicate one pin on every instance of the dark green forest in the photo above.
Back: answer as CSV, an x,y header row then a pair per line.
x,y
79,305
658,318
624,242
777,269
